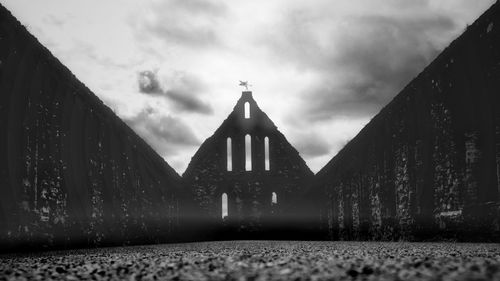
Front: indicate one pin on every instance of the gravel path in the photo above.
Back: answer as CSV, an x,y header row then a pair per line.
x,y
263,260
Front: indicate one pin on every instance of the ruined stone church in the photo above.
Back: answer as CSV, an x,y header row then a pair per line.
x,y
427,166
245,174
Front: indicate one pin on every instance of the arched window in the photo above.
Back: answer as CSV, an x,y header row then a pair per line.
x,y
225,211
229,155
266,154
247,110
248,153
274,198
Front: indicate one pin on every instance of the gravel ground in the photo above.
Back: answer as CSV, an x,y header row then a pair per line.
x,y
263,260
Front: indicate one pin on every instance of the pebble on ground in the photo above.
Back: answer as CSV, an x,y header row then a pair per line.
x,y
262,260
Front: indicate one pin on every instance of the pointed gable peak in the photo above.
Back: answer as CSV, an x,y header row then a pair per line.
x,y
246,95
247,114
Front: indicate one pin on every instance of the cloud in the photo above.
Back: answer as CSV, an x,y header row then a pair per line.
x,y
190,23
180,88
312,149
54,20
148,83
360,62
166,134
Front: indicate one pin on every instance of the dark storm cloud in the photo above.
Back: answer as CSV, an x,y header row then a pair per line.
x,y
188,103
381,58
185,22
163,132
148,82
313,149
362,62
182,92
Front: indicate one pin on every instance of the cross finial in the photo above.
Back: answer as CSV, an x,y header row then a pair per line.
x,y
245,84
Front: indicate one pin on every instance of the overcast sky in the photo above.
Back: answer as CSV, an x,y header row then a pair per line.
x,y
320,69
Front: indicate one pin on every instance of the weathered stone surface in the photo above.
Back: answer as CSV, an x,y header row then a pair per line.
x,y
71,172
251,211
428,164
263,260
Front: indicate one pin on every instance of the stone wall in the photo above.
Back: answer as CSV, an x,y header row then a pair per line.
x,y
251,212
71,172
428,165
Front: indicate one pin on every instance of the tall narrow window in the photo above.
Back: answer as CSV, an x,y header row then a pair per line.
x,y
229,155
225,211
248,153
247,110
266,153
274,198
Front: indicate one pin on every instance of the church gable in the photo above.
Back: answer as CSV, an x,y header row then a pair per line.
x,y
247,172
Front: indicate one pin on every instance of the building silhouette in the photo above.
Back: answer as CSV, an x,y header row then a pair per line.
x,y
243,178
71,172
426,167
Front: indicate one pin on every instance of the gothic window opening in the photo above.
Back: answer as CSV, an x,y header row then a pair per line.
x,y
248,153
274,199
225,211
229,155
247,110
266,154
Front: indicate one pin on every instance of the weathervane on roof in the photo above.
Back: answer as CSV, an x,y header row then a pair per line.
x,y
245,84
